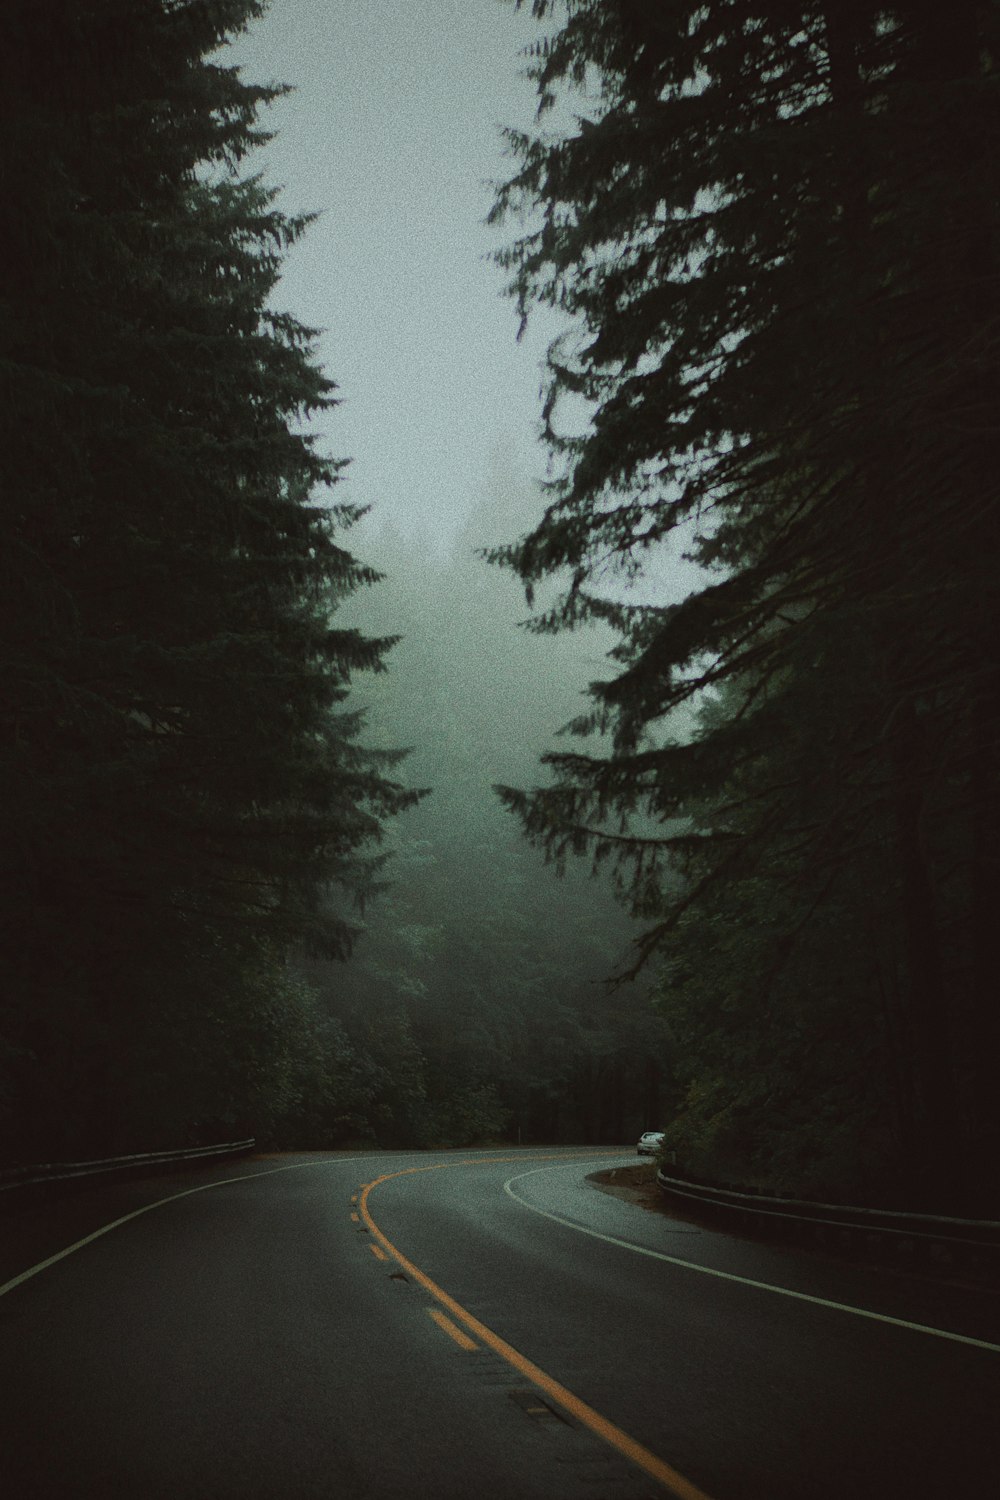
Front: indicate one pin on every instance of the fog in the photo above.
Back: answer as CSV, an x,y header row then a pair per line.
x,y
475,954
392,135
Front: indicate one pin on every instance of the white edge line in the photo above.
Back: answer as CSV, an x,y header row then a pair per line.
x,y
763,1286
43,1265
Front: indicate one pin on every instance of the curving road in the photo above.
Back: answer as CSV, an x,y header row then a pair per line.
x,y
468,1325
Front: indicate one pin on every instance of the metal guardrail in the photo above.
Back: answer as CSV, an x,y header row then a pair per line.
x,y
39,1174
941,1239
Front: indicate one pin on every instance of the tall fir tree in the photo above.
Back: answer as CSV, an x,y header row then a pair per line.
x,y
182,788
775,230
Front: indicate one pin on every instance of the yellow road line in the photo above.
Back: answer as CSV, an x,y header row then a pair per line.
x,y
355,1218
452,1329
642,1457
378,1254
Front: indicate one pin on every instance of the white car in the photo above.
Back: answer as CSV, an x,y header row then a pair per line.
x,y
650,1142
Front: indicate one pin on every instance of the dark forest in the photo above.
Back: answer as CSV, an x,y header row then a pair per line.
x,y
290,847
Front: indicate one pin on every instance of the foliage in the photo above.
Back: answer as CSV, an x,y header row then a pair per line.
x,y
182,790
496,965
774,233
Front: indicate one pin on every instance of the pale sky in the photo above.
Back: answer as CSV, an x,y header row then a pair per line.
x,y
390,135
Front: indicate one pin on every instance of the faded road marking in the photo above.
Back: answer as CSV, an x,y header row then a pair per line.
x,y
452,1329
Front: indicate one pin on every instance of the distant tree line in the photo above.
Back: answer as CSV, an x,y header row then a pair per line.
x,y
474,1006
774,229
184,799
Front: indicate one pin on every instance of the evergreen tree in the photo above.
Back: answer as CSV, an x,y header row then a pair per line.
x,y
182,790
495,964
775,230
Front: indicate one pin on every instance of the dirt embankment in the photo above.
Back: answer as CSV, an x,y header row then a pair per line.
x,y
634,1184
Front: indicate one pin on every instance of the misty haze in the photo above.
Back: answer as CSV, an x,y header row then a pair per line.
x,y
500,724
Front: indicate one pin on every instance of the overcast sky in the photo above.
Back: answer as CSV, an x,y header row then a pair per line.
x,y
392,134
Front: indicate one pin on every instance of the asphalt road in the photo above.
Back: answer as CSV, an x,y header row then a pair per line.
x,y
479,1326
